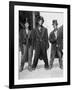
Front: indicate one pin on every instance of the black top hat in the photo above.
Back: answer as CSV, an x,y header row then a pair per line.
x,y
54,22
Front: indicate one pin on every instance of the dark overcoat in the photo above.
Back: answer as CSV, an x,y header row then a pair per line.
x,y
40,39
56,42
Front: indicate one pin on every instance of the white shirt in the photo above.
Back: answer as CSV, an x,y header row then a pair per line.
x,y
55,34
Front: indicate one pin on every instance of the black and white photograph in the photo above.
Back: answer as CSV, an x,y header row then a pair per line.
x,y
40,44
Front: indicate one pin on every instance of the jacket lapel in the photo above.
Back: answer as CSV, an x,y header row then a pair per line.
x,y
38,32
43,31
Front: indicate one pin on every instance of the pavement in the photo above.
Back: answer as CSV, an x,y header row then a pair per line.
x,y
41,72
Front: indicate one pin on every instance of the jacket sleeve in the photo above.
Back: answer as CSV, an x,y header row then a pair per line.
x,y
46,39
30,38
20,38
51,38
33,34
20,41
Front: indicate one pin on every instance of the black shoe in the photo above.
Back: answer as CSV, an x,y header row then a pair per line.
x,y
50,67
33,68
61,67
46,67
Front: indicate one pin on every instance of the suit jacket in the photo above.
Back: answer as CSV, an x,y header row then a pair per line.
x,y
24,38
56,43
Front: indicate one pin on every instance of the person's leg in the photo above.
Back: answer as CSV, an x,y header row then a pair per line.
x,y
45,58
60,58
37,52
53,52
30,54
23,58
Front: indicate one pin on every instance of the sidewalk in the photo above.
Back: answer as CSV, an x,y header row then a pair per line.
x,y
41,72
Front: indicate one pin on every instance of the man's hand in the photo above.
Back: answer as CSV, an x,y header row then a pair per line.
x,y
57,45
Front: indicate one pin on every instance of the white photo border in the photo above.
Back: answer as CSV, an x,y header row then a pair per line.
x,y
16,43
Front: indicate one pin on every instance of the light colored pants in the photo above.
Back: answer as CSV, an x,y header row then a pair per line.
x,y
27,55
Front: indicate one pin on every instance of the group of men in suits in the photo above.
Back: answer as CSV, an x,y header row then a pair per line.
x,y
38,40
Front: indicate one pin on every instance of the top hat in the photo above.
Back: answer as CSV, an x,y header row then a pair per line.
x,y
54,22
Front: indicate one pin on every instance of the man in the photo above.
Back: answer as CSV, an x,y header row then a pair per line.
x,y
56,39
40,43
26,44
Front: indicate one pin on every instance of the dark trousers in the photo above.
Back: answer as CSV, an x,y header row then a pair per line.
x,y
40,52
53,54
